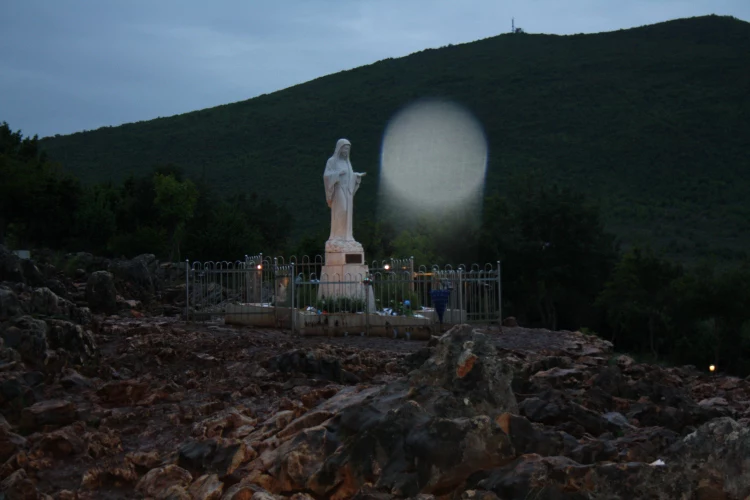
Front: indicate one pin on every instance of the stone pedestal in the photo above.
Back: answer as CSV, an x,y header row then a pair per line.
x,y
344,271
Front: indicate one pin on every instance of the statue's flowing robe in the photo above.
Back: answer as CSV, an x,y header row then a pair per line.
x,y
340,189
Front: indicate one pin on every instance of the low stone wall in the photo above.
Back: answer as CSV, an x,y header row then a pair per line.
x,y
417,327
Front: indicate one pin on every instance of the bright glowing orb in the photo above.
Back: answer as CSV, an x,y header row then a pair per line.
x,y
434,154
712,368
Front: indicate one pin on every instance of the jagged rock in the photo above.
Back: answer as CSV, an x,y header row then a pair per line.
x,y
223,424
553,408
101,294
528,438
148,460
439,422
15,392
76,439
57,287
416,448
122,392
138,275
37,340
645,444
465,363
10,443
310,419
160,483
66,441
102,443
10,266
714,456
556,377
218,456
44,302
73,380
534,476
19,486
313,363
244,491
29,337
33,276
53,412
81,315
207,487
109,473
9,305
72,338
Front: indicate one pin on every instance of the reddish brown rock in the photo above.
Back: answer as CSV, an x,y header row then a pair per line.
x,y
117,474
164,481
215,455
308,420
52,413
122,392
18,486
207,487
148,460
66,441
10,443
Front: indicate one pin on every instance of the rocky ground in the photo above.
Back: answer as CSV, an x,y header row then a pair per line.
x,y
104,397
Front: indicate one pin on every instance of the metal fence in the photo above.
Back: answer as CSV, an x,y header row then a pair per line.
x,y
392,298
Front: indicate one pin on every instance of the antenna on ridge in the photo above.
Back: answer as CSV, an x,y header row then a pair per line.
x,y
512,24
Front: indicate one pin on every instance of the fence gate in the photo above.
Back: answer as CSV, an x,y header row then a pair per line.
x,y
241,289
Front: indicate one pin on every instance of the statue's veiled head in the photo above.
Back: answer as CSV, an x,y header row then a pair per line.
x,y
343,147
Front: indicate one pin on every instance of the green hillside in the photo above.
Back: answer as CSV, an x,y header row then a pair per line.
x,y
653,121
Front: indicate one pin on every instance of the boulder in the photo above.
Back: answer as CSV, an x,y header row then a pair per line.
x,y
465,364
139,271
10,266
10,443
314,363
44,302
74,339
53,412
28,336
424,434
57,287
9,305
207,487
15,392
101,294
164,482
19,485
31,273
534,476
715,456
216,455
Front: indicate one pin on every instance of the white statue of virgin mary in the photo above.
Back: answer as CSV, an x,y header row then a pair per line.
x,y
341,182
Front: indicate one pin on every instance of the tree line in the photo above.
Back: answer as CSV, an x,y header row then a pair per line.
x,y
163,212
561,268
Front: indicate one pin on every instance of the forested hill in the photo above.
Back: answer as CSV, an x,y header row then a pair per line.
x,y
652,121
